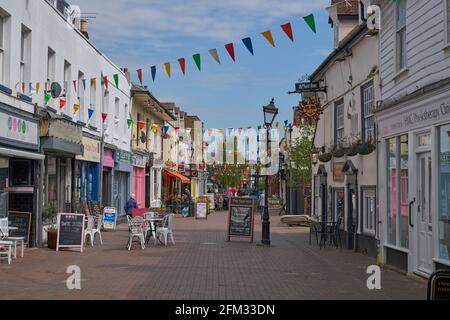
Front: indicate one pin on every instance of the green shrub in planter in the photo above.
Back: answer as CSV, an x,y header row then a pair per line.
x,y
365,148
325,157
339,153
351,151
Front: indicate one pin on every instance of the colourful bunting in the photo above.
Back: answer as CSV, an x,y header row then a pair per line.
x,y
167,67
139,73
182,63
105,81
287,28
248,44
23,87
215,55
116,80
130,123
75,85
38,86
141,125
166,129
94,83
197,60
46,86
62,103
311,22
90,112
268,35
104,116
84,84
76,107
30,87
153,68
47,97
230,49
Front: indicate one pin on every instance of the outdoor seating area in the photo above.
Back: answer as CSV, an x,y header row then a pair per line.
x,y
9,244
325,232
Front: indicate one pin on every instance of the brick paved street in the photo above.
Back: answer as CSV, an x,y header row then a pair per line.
x,y
203,266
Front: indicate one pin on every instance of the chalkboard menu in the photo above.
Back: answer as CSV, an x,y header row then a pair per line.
x,y
22,221
70,231
241,218
439,286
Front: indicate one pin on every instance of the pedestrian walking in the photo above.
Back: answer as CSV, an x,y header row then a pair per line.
x,y
130,205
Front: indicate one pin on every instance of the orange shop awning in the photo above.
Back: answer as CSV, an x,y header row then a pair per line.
x,y
177,175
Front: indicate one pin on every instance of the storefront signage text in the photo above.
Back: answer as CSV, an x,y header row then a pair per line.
x,y
124,156
18,129
139,161
91,150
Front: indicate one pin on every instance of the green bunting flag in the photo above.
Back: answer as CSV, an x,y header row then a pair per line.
x,y
47,97
311,22
130,123
197,60
116,80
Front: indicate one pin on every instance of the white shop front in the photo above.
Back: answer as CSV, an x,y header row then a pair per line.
x,y
414,180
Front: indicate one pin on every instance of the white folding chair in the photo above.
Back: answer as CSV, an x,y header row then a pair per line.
x,y
93,229
136,230
166,229
5,246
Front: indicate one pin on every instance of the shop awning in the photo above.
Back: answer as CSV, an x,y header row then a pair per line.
x,y
177,175
13,153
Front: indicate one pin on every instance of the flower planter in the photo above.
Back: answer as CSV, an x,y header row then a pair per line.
x,y
365,149
351,152
51,239
325,157
339,153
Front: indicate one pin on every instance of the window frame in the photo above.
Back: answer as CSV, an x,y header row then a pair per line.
x,y
398,30
339,104
446,23
366,193
364,116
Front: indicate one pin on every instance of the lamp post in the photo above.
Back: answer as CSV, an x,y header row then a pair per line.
x,y
190,176
270,112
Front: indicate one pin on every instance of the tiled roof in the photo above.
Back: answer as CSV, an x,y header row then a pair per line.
x,y
345,9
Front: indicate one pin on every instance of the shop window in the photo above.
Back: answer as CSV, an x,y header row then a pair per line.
x,y
21,173
52,182
397,191
368,118
368,203
339,203
4,195
444,193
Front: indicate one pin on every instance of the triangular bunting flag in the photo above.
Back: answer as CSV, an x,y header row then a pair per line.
x,y
75,85
94,83
23,87
167,67
139,73
38,86
153,68
248,44
116,80
287,28
104,116
90,112
47,97
30,87
197,60
268,35
182,63
76,107
311,22
214,54
84,84
230,49
130,123
105,82
62,103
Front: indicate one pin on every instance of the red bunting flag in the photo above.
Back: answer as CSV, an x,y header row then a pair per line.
x,y
182,62
139,73
75,85
287,28
141,125
104,116
23,87
230,49
105,82
62,103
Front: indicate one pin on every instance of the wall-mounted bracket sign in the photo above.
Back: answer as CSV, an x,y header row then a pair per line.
x,y
70,231
309,86
241,218
439,286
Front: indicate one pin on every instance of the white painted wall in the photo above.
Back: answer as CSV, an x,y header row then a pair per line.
x,y
50,29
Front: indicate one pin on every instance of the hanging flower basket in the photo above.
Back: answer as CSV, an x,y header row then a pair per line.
x,y
325,157
339,153
351,151
365,148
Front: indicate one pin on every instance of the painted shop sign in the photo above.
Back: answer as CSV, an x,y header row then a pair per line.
x,y
91,150
124,156
139,161
420,117
18,129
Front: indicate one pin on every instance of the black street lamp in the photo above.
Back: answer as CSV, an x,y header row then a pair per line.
x,y
190,176
270,112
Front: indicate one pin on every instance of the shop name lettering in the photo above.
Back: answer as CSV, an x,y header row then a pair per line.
x,y
433,114
17,126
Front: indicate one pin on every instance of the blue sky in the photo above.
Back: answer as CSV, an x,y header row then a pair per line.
x,y
141,33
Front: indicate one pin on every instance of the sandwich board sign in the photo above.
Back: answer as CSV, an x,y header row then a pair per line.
x,y
70,231
439,285
241,214
109,218
202,210
22,221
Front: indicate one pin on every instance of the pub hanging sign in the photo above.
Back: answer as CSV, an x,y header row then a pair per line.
x,y
309,86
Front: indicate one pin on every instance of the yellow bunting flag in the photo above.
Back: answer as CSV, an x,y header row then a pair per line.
x,y
167,66
76,107
268,35
38,85
94,83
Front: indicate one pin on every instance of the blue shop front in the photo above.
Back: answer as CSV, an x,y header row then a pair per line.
x,y
122,182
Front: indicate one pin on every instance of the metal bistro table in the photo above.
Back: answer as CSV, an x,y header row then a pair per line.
x,y
152,222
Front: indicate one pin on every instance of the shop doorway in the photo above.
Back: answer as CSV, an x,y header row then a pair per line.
x,y
424,214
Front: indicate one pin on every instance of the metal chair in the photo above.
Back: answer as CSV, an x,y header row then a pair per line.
x,y
93,228
166,229
136,230
4,236
316,229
